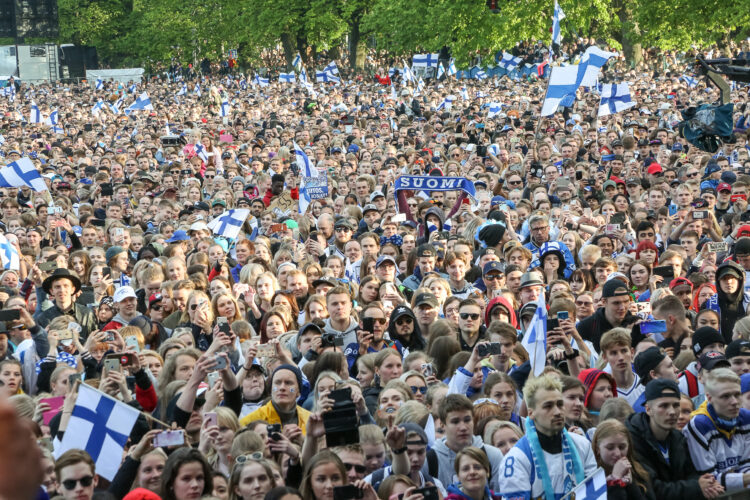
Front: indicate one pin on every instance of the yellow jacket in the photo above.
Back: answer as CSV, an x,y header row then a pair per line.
x,y
268,413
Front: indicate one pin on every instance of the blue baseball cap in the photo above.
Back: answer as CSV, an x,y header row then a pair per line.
x,y
492,266
178,235
496,200
385,258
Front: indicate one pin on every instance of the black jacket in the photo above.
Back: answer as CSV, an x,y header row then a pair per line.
x,y
593,327
676,480
82,315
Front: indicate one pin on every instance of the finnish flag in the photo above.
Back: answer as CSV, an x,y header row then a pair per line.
x,y
133,88
287,77
420,85
480,75
425,60
22,173
297,62
224,107
408,74
558,16
593,60
200,151
99,84
535,338
143,102
117,105
332,68
262,82
509,62
52,120
197,90
452,68
183,90
100,425
229,223
303,76
35,115
563,84
615,98
97,107
691,82
494,109
441,71
593,487
9,254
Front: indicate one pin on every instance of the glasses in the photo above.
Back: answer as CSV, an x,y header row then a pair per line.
x,y
452,310
514,183
455,156
70,484
690,175
472,316
422,389
404,321
174,172
360,469
19,327
209,176
380,321
492,277
343,230
256,456
156,307
584,302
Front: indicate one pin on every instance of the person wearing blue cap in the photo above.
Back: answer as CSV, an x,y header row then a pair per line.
x,y
493,278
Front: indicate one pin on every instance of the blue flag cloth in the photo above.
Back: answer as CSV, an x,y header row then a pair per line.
x,y
22,173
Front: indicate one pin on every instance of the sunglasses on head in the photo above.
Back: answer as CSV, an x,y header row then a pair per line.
x,y
360,469
70,484
473,316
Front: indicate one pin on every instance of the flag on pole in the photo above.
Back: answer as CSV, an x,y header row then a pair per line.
x,y
99,84
690,81
183,90
100,425
332,68
117,105
22,173
303,76
420,85
143,102
287,77
97,107
592,61
229,223
224,107
197,89
261,82
297,62
452,67
535,338
53,120
441,71
408,73
563,84
509,62
305,172
558,16
615,98
9,254
593,487
425,60
133,88
494,109
35,115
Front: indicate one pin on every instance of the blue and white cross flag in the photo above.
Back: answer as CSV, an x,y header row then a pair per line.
x,y
452,68
441,71
426,60
35,115
100,425
408,74
200,150
494,109
287,78
690,81
229,223
312,186
143,102
97,107
480,74
558,16
261,82
509,62
197,89
224,107
593,60
563,84
183,89
297,62
615,98
9,254
99,84
535,338
22,173
303,76
593,487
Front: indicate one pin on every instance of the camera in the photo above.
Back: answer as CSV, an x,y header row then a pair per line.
x,y
274,431
172,140
487,349
332,340
341,423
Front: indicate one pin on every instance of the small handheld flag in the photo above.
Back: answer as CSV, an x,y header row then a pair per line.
x,y
535,338
22,173
35,115
229,223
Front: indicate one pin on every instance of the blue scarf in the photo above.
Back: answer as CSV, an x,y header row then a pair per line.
x,y
571,458
431,183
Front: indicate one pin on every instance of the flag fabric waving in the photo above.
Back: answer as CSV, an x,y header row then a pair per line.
x,y
143,102
297,62
9,254
200,151
35,115
615,98
690,81
509,62
452,68
97,107
426,60
224,107
229,223
563,84
99,84
100,425
261,82
535,338
593,487
287,77
558,16
592,61
22,173
305,172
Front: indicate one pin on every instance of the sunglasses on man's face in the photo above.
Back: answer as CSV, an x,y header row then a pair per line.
x,y
70,484
465,316
403,321
360,469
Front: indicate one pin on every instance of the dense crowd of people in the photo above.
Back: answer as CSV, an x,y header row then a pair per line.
x,y
371,345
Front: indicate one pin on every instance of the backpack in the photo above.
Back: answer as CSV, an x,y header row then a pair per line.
x,y
692,383
433,466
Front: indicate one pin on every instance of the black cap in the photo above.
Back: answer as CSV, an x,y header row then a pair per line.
x,y
201,205
344,222
661,388
614,288
648,360
426,251
710,360
736,348
705,336
426,298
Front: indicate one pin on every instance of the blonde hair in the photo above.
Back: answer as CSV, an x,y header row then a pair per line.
x,y
534,385
718,376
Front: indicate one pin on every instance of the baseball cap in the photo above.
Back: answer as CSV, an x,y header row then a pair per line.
x,y
426,298
633,181
325,281
654,169
344,222
648,360
661,388
705,336
155,298
609,183
614,288
743,230
736,348
123,293
493,265
712,359
369,208
723,186
376,194
680,283
425,251
383,259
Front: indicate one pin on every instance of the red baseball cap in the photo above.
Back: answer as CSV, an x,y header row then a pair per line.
x,y
743,230
723,187
654,169
680,282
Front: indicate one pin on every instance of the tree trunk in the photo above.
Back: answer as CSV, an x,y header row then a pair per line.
x,y
633,50
354,49
288,44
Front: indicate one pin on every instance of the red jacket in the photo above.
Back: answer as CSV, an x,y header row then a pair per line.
x,y
383,80
268,197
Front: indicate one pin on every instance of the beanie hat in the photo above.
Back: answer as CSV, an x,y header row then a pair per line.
x,y
590,377
742,247
294,370
491,234
141,494
112,252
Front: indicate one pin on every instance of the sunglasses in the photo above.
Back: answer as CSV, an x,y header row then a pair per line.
x,y
515,183
690,176
174,172
473,316
246,458
360,469
70,484
380,321
209,176
404,321
492,277
343,230
583,302
156,307
418,389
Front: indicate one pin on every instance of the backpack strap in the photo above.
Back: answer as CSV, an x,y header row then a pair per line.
x,y
692,383
432,463
377,478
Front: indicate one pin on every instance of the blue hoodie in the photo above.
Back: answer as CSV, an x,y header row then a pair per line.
x,y
455,493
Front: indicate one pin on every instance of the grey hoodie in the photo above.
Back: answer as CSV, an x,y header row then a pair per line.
x,y
350,334
446,458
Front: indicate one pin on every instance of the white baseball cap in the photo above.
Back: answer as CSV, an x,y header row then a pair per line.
x,y
123,293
